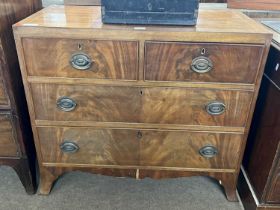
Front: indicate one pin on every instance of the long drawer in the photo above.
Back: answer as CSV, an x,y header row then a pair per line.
x,y
139,148
188,106
8,146
202,62
81,58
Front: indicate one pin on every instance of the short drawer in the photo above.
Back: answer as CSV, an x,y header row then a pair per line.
x,y
81,58
190,150
89,146
4,101
202,62
8,145
189,106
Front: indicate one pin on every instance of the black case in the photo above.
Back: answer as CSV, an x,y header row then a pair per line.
x,y
156,12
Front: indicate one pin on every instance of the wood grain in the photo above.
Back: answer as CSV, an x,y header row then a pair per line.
x,y
3,97
165,111
94,103
16,141
209,27
231,63
139,148
100,147
142,105
141,83
187,106
111,59
181,149
273,196
247,195
8,145
264,140
254,4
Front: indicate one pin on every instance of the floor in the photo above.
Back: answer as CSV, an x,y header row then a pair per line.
x,y
84,191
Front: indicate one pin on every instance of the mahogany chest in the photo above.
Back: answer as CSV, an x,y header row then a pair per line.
x,y
147,101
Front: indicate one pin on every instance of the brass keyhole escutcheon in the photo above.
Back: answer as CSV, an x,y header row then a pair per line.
x,y
139,135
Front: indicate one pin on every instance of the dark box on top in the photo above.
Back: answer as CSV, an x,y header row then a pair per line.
x,y
156,12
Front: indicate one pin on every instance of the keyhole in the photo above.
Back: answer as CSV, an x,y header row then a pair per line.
x,y
150,7
203,51
139,135
141,92
80,46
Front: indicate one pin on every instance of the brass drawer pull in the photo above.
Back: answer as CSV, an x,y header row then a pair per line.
x,y
201,65
69,147
208,151
66,104
216,108
81,61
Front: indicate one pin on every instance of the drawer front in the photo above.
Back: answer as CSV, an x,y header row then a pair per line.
x,y
202,62
139,105
3,97
89,146
93,103
122,147
81,58
8,146
188,106
190,150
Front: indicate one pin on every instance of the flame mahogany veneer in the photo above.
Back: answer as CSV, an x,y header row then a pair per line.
x,y
153,101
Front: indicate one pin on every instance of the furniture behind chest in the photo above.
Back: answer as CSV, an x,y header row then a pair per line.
x,y
140,101
16,141
259,183
254,4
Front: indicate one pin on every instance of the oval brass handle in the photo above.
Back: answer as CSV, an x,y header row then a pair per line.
x,y
215,108
201,64
69,147
81,61
208,151
66,104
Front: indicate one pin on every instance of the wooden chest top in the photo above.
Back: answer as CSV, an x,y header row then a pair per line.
x,y
209,21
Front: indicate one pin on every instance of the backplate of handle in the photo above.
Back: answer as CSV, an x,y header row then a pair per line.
x,y
69,147
215,108
66,104
208,151
81,61
202,64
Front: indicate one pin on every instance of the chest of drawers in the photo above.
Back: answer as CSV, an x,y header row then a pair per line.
x,y
157,102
